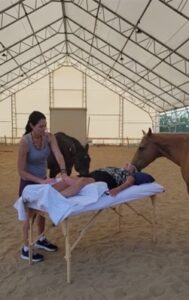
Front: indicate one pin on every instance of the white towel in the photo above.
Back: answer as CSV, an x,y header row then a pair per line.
x,y
89,194
45,198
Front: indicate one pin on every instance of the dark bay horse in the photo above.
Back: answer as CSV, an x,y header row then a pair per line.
x,y
75,154
173,146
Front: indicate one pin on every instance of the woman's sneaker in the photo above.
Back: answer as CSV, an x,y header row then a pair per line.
x,y
46,245
36,257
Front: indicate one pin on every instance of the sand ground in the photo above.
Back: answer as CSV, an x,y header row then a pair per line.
x,y
106,264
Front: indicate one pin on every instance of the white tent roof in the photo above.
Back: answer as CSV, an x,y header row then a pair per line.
x,y
137,48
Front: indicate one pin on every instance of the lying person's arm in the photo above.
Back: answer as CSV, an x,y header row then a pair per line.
x,y
134,179
129,182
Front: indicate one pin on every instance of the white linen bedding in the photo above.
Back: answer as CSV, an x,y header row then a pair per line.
x,y
45,198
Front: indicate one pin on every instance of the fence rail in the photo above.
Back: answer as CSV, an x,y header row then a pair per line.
x,y
9,140
91,140
114,141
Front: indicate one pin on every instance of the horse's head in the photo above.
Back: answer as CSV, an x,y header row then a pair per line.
x,y
146,152
75,154
82,160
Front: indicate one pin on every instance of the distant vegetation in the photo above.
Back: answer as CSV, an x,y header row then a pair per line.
x,y
177,121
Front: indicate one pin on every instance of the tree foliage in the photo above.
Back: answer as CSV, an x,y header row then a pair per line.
x,y
174,122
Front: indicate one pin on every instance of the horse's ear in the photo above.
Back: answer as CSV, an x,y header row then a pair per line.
x,y
149,132
87,147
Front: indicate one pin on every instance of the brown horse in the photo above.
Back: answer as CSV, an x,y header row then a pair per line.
x,y
173,146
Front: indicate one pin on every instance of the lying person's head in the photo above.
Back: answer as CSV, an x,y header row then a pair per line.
x,y
130,168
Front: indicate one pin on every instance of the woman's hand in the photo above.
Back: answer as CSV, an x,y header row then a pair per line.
x,y
48,180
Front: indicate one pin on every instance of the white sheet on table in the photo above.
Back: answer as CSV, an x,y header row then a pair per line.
x,y
43,197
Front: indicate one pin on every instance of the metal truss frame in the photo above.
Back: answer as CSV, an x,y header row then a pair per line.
x,y
66,41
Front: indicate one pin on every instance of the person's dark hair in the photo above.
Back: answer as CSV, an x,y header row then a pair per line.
x,y
33,119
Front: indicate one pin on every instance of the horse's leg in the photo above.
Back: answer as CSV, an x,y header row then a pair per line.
x,y
69,170
53,172
185,174
187,185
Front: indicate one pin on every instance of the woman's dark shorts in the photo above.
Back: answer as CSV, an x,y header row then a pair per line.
x,y
24,183
103,176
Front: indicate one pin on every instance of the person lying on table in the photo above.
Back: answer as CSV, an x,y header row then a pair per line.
x,y
117,179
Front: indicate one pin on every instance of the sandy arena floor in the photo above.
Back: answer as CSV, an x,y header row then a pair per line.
x,y
106,265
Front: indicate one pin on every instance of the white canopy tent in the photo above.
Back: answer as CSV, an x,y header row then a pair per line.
x,y
139,49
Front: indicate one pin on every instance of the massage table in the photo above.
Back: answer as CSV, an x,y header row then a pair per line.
x,y
46,200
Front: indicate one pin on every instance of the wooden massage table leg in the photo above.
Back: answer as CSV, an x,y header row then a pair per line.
x,y
154,222
151,221
65,229
68,247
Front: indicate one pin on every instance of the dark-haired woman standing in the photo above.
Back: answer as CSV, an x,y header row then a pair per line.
x,y
34,150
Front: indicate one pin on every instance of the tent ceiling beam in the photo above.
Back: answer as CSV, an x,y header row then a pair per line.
x,y
107,49
8,17
65,24
141,66
34,34
116,86
119,77
172,86
158,48
178,9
